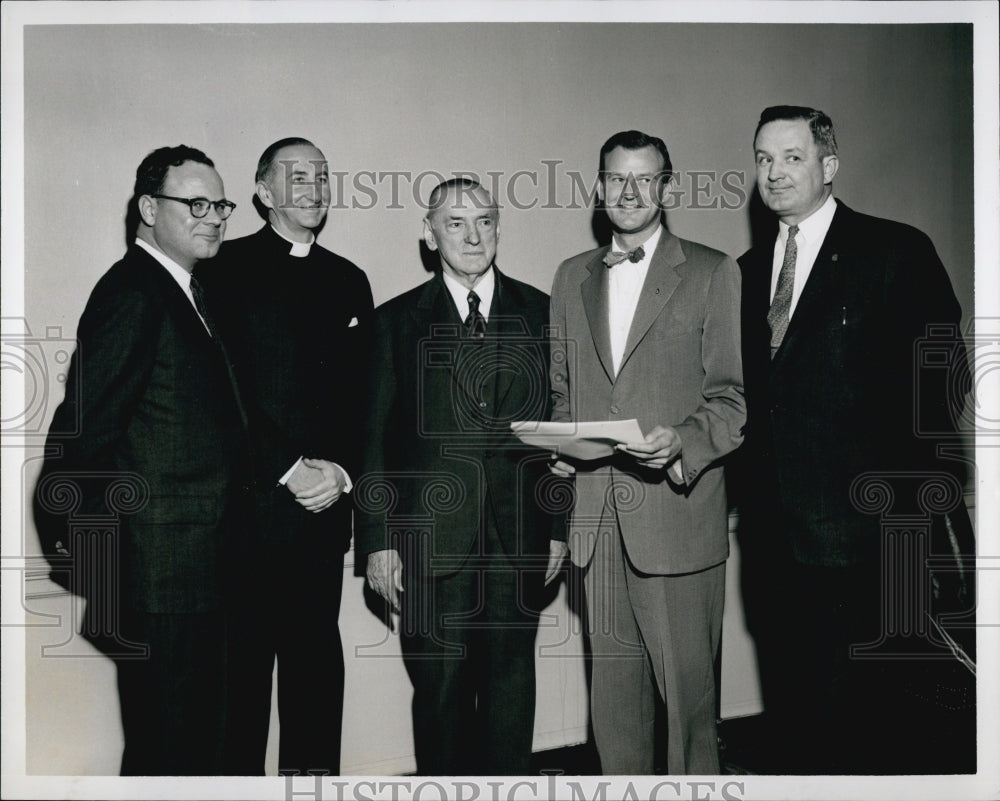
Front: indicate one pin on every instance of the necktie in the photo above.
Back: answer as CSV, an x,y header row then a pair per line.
x,y
475,323
613,257
199,303
778,314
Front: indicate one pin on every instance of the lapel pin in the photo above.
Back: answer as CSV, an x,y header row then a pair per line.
x,y
657,290
834,257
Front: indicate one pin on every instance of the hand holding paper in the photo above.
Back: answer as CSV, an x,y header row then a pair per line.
x,y
585,441
658,448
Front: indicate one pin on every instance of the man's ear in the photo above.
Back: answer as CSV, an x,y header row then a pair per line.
x,y
662,189
429,239
264,194
830,166
147,209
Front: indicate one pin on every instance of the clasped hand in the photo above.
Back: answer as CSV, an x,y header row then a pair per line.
x,y
317,484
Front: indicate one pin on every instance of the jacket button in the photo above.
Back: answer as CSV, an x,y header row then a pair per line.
x,y
615,410
482,404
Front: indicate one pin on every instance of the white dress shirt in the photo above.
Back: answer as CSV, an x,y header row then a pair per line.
x,y
460,293
179,274
625,282
812,232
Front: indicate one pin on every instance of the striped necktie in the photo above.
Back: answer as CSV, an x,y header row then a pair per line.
x,y
475,323
780,311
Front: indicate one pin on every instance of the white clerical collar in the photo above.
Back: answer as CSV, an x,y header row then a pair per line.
x,y
299,249
181,276
648,246
460,293
814,227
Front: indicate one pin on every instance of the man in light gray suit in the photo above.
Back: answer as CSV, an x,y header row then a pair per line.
x,y
649,328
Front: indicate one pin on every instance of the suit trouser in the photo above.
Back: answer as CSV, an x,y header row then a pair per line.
x,y
173,703
834,703
289,612
468,646
648,633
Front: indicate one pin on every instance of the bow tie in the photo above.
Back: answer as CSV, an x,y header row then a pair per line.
x,y
613,257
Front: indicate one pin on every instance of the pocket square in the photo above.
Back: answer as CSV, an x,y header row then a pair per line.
x,y
354,322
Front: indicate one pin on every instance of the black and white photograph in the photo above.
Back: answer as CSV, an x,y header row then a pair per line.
x,y
503,400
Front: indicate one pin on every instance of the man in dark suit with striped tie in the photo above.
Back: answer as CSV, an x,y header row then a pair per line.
x,y
453,517
835,307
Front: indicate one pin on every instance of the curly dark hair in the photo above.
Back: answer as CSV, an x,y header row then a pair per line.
x,y
151,174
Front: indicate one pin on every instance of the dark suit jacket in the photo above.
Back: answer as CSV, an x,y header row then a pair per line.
x,y
681,368
297,331
842,395
155,404
438,441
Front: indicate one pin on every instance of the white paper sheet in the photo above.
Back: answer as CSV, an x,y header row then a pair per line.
x,y
587,440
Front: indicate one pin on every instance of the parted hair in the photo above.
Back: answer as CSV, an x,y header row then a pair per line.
x,y
820,125
635,140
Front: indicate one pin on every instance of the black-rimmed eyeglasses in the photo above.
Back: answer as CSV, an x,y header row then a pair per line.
x,y
200,205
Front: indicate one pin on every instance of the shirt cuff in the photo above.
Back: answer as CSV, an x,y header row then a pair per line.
x,y
284,479
678,470
348,484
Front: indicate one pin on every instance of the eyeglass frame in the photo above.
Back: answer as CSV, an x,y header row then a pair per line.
x,y
190,201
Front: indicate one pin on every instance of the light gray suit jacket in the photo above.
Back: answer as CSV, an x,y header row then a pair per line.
x,y
682,368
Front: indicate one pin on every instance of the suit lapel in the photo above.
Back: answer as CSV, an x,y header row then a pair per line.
x,y
594,292
823,278
661,281
756,266
436,317
507,312
189,318
496,329
757,280
186,315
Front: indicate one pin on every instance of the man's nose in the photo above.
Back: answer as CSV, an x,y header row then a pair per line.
x,y
775,171
213,217
472,235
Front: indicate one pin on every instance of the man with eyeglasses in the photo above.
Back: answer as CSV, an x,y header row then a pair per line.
x,y
648,328
297,318
160,461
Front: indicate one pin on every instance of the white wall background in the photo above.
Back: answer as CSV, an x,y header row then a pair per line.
x,y
478,97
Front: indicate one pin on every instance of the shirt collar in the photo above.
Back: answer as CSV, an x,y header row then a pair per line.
x,y
648,246
814,227
181,276
299,249
460,294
